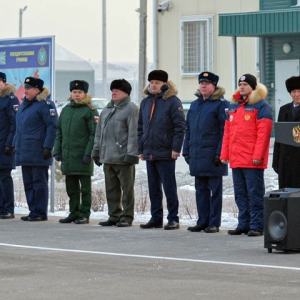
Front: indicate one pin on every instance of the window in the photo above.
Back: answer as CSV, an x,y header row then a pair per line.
x,y
196,45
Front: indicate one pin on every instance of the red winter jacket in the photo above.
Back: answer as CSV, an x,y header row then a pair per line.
x,y
248,130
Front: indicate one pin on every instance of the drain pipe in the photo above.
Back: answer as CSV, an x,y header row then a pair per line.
x,y
154,34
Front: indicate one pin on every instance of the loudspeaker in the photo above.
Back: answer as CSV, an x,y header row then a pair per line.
x,y
282,219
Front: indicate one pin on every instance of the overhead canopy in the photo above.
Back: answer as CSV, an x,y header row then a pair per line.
x,y
261,23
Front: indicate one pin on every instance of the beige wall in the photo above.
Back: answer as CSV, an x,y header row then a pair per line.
x,y
169,43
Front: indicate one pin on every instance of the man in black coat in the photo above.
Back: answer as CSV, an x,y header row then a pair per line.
x,y
286,158
161,128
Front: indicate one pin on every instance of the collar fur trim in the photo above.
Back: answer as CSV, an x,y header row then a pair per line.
x,y
85,101
170,92
7,90
218,93
259,94
43,95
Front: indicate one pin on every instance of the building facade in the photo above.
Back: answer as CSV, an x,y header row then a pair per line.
x,y
188,43
277,26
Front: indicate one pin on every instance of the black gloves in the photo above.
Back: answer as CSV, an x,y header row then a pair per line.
x,y
87,159
97,161
58,157
47,153
186,157
9,150
217,160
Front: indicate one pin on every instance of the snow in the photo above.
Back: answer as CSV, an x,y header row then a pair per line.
x,y
186,193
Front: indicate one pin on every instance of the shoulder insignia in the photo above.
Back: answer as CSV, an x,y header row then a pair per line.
x,y
16,107
96,119
91,106
52,112
48,102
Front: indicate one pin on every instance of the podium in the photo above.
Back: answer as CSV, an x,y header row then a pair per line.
x,y
288,133
282,207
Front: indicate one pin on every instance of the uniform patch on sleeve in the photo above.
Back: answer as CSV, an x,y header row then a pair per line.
x,y
96,118
52,112
180,108
16,107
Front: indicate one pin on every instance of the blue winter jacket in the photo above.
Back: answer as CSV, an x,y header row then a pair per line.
x,y
204,134
36,129
9,105
164,132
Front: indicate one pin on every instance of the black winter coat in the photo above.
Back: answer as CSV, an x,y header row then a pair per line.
x,y
164,132
286,159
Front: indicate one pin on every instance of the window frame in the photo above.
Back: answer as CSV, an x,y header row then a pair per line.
x,y
209,19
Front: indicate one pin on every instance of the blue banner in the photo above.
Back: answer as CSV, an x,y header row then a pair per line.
x,y
25,57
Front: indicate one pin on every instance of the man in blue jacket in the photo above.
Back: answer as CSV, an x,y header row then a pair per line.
x,y
9,105
35,136
202,148
161,128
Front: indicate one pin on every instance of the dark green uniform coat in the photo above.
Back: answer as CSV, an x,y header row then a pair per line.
x,y
75,136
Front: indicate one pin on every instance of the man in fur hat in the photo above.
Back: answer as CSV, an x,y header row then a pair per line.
x,y
202,149
9,106
34,140
73,147
245,146
161,129
285,163
115,147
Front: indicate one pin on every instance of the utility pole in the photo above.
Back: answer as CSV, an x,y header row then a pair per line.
x,y
104,54
142,48
21,20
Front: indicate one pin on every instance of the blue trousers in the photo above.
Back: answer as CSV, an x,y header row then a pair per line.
x,y
7,200
209,200
249,191
161,173
35,180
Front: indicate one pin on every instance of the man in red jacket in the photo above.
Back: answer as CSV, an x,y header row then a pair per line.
x,y
246,147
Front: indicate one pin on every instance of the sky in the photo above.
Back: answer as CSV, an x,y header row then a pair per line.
x,y
77,26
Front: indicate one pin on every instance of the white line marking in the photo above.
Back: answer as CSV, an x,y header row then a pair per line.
x,y
152,257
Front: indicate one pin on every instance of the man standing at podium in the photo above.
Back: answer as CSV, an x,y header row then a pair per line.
x,y
286,158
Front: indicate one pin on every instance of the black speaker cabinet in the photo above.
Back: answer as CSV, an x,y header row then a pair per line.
x,y
282,219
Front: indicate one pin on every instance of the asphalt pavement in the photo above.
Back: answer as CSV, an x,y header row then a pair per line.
x,y
49,260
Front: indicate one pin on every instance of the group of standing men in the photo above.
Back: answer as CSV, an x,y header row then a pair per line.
x,y
215,133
